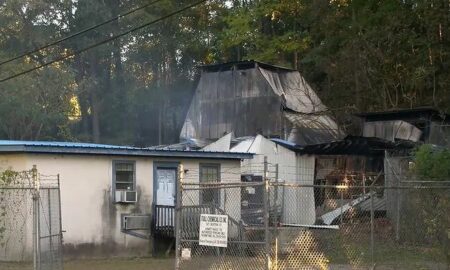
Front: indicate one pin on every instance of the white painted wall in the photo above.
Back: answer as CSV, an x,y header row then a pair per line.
x,y
298,203
302,198
89,216
230,197
13,161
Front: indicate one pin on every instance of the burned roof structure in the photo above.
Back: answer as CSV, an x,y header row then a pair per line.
x,y
352,145
250,98
421,124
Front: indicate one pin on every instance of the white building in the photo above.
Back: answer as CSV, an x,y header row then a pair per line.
x,y
93,178
297,204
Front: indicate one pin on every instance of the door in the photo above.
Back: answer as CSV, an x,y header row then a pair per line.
x,y
165,189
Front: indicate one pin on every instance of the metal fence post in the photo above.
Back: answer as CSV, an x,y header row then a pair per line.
x,y
397,214
50,237
266,214
372,217
342,206
36,221
276,190
60,252
277,222
178,206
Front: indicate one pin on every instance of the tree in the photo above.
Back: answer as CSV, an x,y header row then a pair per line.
x,y
367,55
430,206
37,105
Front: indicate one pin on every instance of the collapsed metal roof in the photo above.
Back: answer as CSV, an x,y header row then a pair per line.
x,y
251,98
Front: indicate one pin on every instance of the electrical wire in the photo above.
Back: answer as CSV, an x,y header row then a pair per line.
x,y
78,33
103,41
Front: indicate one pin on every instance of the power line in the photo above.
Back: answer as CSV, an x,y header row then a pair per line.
x,y
78,33
103,41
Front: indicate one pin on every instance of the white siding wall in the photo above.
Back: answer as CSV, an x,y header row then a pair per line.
x,y
303,198
13,161
89,216
275,154
230,173
298,204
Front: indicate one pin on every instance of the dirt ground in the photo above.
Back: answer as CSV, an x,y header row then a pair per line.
x,y
105,264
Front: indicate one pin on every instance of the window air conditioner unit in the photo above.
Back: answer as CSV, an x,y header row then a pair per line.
x,y
125,196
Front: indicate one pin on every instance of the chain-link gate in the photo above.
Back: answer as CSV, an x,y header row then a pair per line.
x,y
273,225
246,241
50,232
30,221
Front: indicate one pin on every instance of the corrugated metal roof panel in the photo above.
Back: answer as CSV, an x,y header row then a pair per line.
x,y
311,129
7,146
64,144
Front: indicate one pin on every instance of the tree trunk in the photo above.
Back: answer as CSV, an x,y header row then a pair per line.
x,y
95,118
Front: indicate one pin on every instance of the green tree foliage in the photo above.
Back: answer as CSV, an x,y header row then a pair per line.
x,y
428,208
359,55
37,105
362,54
432,164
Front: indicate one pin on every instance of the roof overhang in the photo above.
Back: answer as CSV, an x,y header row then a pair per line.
x,y
137,152
428,113
351,145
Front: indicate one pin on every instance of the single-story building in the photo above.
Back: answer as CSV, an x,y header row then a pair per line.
x,y
100,184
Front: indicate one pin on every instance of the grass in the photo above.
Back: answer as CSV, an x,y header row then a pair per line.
x,y
104,264
404,262
347,248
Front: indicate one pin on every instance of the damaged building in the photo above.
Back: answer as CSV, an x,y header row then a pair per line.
x,y
250,98
272,112
422,124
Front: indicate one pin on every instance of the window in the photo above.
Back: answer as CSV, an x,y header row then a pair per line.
x,y
124,175
209,173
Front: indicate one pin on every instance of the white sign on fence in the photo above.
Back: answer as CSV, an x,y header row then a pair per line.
x,y
213,230
186,254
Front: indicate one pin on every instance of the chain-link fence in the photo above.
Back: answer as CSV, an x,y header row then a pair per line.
x,y
275,225
30,221
246,239
355,227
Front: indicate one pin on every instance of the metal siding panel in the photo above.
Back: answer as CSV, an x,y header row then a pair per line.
x,y
301,199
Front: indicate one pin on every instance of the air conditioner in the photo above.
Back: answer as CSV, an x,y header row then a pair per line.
x,y
125,196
